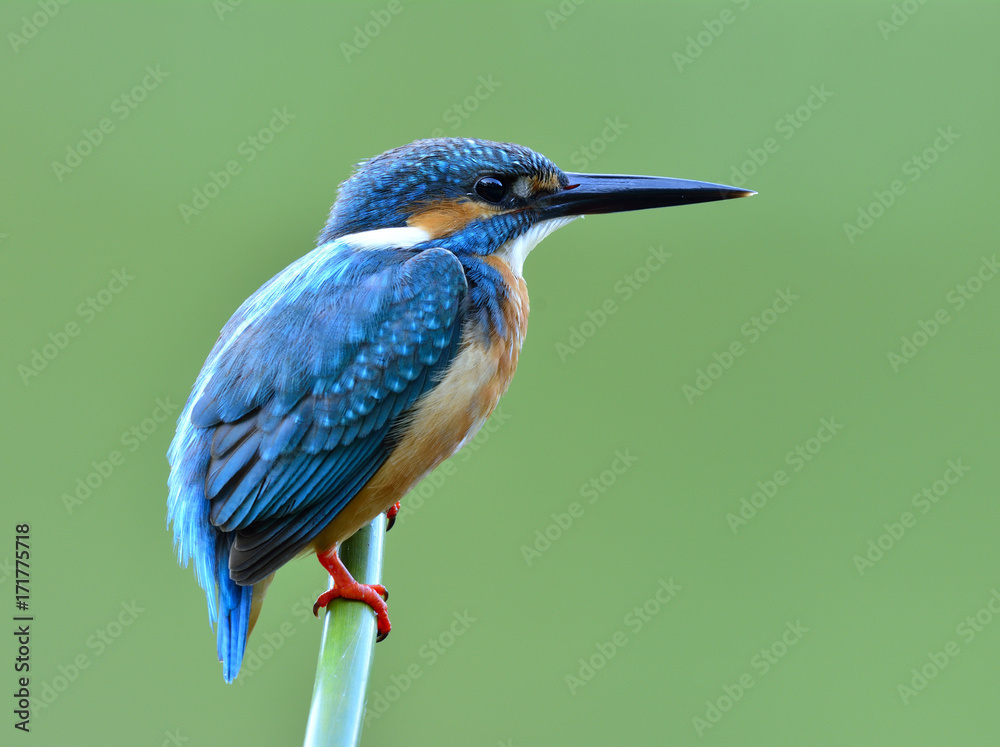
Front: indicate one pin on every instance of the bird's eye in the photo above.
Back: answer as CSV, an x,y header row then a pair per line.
x,y
491,189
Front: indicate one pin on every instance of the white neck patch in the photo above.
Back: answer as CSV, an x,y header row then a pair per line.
x,y
515,251
386,238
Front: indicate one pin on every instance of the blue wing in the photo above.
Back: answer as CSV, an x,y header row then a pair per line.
x,y
294,409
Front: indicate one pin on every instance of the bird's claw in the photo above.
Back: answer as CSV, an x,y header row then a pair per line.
x,y
374,595
391,515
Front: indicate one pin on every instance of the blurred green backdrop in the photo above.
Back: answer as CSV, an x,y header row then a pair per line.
x,y
793,545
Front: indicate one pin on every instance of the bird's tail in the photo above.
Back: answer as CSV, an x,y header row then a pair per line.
x,y
235,602
239,607
232,608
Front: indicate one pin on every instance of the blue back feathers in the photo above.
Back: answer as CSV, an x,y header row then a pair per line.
x,y
293,411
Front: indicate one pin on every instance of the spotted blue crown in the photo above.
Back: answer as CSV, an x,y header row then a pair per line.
x,y
386,190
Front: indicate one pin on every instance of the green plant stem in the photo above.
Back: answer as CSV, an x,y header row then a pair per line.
x,y
347,649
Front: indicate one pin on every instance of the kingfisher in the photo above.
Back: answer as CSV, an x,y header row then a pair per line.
x,y
355,371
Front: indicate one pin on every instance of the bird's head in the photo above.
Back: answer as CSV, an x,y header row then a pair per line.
x,y
480,197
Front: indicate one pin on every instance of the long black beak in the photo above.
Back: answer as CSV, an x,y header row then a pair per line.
x,y
588,194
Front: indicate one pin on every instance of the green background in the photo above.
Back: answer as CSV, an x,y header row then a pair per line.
x,y
556,74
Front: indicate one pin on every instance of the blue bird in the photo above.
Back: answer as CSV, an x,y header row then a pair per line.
x,y
352,373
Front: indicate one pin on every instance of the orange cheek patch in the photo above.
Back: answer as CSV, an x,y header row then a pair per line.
x,y
444,218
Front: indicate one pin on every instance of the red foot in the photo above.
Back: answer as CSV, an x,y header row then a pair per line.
x,y
345,587
391,515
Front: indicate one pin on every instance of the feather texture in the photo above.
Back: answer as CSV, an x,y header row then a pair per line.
x,y
293,410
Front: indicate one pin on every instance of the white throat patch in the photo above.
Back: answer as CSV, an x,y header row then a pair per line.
x,y
516,250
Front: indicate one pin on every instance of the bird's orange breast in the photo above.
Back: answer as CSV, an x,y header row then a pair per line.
x,y
447,416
